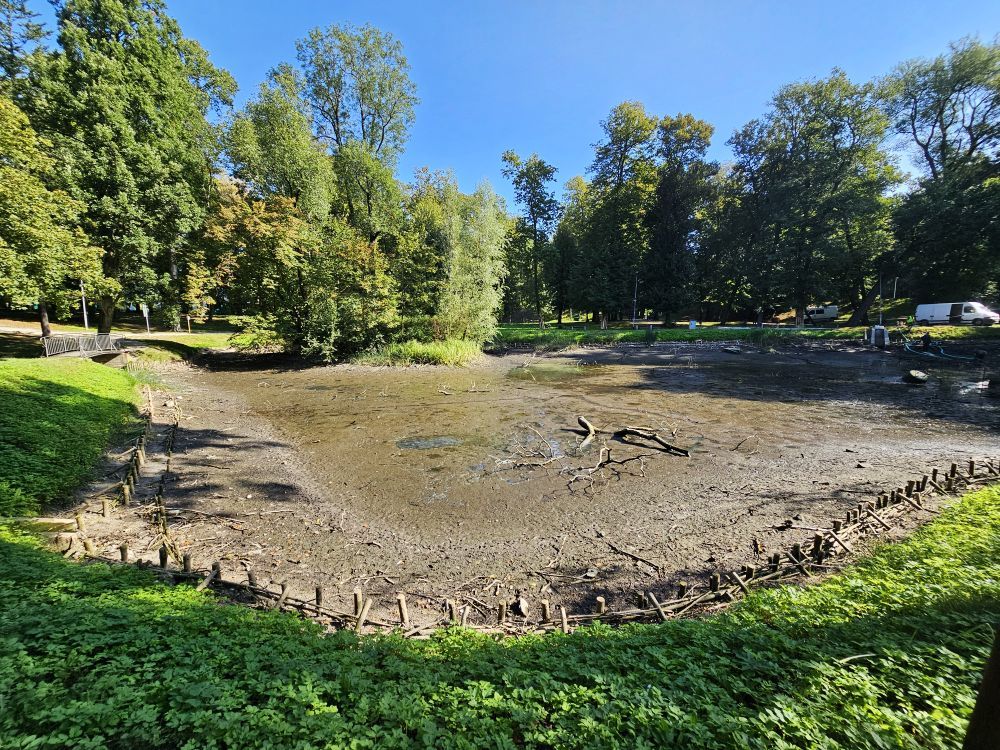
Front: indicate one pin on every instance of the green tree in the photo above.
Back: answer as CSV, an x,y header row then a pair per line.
x,y
477,228
816,166
358,83
566,272
623,184
530,178
19,33
43,254
948,110
674,218
124,100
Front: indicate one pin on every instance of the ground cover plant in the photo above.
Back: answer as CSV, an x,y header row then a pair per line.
x,y
886,654
57,417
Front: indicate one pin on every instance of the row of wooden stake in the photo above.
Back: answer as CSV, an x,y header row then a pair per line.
x,y
800,561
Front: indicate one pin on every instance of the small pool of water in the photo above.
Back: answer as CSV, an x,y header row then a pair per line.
x,y
426,443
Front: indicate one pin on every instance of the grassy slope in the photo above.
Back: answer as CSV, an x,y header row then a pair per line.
x,y
56,419
885,654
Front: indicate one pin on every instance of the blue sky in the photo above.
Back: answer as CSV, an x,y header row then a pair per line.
x,y
539,76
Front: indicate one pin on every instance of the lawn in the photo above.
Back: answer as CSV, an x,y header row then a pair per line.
x,y
558,338
57,418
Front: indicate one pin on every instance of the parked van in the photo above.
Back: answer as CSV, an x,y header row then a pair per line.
x,y
821,313
956,313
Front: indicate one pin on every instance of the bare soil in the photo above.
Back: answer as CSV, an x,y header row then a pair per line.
x,y
417,479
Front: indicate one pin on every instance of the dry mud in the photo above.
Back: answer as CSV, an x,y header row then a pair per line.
x,y
413,479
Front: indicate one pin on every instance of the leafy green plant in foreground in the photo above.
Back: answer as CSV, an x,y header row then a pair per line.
x,y
56,419
886,654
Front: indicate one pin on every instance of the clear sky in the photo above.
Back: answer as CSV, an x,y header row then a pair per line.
x,y
540,76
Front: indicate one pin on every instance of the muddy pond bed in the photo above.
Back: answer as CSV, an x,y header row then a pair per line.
x,y
471,483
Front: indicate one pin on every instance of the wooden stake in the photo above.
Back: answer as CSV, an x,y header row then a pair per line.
x,y
934,473
251,578
841,542
358,601
163,556
602,605
363,615
546,614
212,575
909,488
319,596
123,551
284,594
739,582
659,608
682,589
564,618
187,562
972,468
105,507
452,611
79,522
88,547
501,613
404,613
954,470
713,582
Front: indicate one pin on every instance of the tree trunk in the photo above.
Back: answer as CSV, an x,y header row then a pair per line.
x,y
43,317
534,274
860,314
984,724
107,305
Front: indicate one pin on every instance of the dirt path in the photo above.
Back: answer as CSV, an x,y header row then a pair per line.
x,y
408,480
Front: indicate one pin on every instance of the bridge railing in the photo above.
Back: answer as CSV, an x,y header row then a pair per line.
x,y
84,343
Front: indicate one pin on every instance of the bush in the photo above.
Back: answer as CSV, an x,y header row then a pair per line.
x,y
452,352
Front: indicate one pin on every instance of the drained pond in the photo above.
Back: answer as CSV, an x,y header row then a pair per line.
x,y
482,481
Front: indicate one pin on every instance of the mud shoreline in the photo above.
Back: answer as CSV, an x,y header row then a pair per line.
x,y
412,479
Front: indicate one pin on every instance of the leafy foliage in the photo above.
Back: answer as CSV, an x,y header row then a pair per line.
x,y
57,418
886,654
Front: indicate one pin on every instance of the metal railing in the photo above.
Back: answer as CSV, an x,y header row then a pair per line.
x,y
84,343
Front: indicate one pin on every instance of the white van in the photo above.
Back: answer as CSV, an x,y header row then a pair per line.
x,y
821,313
956,313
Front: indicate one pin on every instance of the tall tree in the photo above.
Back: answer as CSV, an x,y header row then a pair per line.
x,y
358,83
530,178
43,254
684,188
470,302
623,183
124,101
19,32
947,110
817,166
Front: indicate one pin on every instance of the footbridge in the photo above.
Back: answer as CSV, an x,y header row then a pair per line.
x,y
82,344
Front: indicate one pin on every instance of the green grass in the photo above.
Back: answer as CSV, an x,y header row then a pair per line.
x,y
560,338
886,654
179,346
20,345
56,419
452,352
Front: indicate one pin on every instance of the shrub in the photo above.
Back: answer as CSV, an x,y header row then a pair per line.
x,y
452,352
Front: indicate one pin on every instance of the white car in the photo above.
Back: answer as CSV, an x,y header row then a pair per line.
x,y
956,313
821,314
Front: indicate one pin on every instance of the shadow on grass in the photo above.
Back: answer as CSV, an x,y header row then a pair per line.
x,y
20,345
55,422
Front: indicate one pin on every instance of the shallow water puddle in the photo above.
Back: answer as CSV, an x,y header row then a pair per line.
x,y
426,443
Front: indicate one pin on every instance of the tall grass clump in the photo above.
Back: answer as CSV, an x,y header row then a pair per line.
x,y
451,352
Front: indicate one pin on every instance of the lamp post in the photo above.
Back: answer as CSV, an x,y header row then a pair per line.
x,y
83,304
